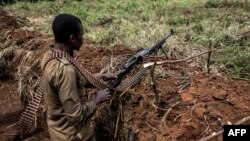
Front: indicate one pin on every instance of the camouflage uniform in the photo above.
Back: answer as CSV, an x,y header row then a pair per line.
x,y
68,107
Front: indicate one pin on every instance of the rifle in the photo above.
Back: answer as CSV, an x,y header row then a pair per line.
x,y
138,57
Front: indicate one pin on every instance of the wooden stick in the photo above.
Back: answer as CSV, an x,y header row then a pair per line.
x,y
153,127
146,65
166,114
221,131
117,121
209,58
157,98
154,84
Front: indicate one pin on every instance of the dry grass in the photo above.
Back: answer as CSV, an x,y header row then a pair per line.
x,y
28,76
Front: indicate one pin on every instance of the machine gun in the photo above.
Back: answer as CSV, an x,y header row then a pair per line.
x,y
138,57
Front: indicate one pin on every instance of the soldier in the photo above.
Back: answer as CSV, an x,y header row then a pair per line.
x,y
69,109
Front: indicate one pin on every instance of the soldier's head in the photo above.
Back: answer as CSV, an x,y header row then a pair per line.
x,y
67,29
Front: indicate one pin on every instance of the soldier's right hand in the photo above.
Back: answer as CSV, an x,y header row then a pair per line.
x,y
102,96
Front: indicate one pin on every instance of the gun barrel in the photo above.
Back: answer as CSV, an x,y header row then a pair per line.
x,y
138,57
161,42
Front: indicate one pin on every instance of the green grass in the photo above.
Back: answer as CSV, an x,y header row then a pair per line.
x,y
137,23
134,23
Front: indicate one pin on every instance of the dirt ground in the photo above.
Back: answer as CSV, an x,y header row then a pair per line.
x,y
192,104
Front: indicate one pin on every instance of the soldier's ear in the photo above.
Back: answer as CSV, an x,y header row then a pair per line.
x,y
72,38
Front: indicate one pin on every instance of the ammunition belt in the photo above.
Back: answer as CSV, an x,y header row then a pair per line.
x,y
28,115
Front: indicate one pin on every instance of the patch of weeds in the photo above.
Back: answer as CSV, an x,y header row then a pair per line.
x,y
236,60
198,29
178,20
201,39
212,4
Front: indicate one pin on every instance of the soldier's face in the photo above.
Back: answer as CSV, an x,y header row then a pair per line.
x,y
77,41
80,38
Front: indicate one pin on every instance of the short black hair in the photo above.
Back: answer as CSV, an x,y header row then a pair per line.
x,y
64,25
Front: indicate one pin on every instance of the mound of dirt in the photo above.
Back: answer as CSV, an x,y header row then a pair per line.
x,y
193,113
190,104
7,21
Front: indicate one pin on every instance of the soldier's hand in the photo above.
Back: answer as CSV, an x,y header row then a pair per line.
x,y
102,96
